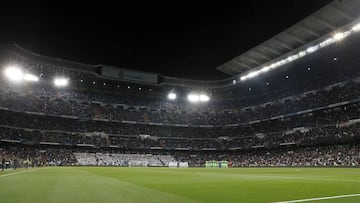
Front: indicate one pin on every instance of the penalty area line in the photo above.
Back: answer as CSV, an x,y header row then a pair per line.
x,y
320,198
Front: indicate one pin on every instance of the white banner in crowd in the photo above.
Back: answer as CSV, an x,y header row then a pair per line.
x,y
174,164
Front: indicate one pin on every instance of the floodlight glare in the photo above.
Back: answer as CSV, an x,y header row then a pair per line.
x,y
14,73
302,53
61,82
172,96
265,69
204,98
30,77
336,37
253,74
356,27
193,97
339,36
326,42
312,49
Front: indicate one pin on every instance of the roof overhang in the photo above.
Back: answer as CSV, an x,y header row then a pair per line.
x,y
318,26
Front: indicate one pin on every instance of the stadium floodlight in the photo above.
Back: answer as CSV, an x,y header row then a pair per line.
x,y
171,96
265,69
289,59
302,53
193,97
253,74
339,36
14,73
204,98
31,77
312,49
336,37
61,82
326,42
356,27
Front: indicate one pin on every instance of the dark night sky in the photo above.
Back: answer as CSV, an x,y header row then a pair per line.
x,y
176,40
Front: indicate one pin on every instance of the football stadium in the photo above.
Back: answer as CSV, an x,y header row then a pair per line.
x,y
281,127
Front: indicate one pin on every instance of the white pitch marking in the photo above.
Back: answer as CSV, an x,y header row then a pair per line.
x,y
320,198
10,174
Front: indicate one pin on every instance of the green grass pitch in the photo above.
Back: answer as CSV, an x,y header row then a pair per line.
x,y
100,184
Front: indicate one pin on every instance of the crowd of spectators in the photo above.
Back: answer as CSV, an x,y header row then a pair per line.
x,y
324,156
341,155
337,123
20,156
44,116
73,103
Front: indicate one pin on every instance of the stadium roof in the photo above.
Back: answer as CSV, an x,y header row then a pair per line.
x,y
328,19
316,30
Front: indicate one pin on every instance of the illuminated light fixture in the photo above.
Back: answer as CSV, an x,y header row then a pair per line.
x,y
61,82
265,69
339,36
234,82
290,58
193,97
326,42
253,74
171,96
278,63
302,53
356,27
336,37
204,98
312,49
31,77
128,87
14,73
198,97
